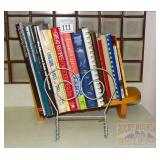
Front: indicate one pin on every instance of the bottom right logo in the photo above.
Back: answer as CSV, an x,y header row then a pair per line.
x,y
136,133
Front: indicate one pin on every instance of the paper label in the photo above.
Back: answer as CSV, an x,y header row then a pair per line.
x,y
67,28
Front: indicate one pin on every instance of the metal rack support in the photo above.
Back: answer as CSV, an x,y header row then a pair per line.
x,y
59,117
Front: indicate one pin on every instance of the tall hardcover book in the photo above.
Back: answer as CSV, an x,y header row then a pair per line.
x,y
108,65
38,75
99,64
52,65
116,43
102,59
74,68
43,65
114,66
63,64
83,65
92,64
29,68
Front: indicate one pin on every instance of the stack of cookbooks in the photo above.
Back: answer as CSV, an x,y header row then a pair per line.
x,y
76,65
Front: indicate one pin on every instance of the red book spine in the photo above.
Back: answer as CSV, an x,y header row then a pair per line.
x,y
71,59
104,67
63,64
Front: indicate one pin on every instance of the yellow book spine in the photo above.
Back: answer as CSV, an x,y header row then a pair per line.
x,y
54,57
51,65
121,68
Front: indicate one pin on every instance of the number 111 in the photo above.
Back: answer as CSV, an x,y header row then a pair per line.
x,y
66,27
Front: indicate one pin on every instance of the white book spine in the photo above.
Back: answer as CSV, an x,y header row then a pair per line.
x,y
92,63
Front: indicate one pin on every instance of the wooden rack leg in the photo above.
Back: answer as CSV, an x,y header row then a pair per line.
x,y
122,109
40,118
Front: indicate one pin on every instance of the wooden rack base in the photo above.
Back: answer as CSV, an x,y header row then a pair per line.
x,y
134,96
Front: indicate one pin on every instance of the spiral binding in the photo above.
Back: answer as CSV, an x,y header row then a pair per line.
x,y
80,90
92,62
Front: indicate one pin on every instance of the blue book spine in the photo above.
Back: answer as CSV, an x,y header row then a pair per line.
x,y
83,66
114,67
37,69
